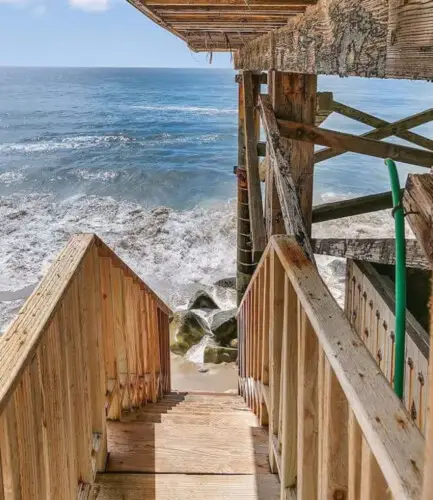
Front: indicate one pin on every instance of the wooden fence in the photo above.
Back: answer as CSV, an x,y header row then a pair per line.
x,y
336,428
90,341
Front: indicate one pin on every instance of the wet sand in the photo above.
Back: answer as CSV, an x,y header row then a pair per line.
x,y
185,376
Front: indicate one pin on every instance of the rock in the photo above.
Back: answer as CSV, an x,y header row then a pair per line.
x,y
202,300
338,267
227,283
203,369
186,330
234,343
218,354
224,327
263,167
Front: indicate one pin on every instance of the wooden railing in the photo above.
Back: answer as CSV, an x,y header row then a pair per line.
x,y
90,341
336,428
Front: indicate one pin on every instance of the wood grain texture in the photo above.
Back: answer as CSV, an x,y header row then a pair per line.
x,y
181,486
381,251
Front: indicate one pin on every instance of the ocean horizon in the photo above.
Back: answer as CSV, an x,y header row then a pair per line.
x,y
144,157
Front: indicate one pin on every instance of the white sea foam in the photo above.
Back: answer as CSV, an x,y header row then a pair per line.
x,y
11,177
203,110
176,252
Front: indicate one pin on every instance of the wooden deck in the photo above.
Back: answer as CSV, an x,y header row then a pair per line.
x,y
188,446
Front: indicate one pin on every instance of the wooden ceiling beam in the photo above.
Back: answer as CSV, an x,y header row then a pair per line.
x,y
229,9
372,38
225,17
223,3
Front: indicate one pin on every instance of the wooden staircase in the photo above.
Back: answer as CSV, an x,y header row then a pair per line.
x,y
188,446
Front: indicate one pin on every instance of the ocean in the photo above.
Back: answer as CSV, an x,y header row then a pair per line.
x,y
144,158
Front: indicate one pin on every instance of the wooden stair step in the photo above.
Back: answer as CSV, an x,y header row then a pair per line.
x,y
186,487
217,420
191,449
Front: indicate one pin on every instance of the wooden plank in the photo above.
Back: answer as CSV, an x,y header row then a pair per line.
x,y
180,487
383,129
20,341
307,407
9,456
355,454
141,447
356,144
254,189
373,485
353,206
222,3
418,203
276,312
381,251
335,438
289,390
394,440
287,190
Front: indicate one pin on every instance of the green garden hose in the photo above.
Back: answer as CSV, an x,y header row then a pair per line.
x,y
400,280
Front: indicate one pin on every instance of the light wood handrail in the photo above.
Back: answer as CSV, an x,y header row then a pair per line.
x,y
90,341
336,428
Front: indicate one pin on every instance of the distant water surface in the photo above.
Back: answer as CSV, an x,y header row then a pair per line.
x,y
144,157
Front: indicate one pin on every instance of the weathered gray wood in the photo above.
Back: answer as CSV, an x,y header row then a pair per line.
x,y
254,190
418,203
383,128
393,438
354,206
373,38
381,251
355,144
287,192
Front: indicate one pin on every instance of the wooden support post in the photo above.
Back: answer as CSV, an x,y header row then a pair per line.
x,y
308,414
251,90
245,266
289,388
355,453
373,485
276,314
294,99
334,467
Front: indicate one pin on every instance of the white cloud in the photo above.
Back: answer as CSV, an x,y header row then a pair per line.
x,y
89,5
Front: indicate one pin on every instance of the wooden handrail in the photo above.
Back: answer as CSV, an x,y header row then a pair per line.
x,y
90,341
335,425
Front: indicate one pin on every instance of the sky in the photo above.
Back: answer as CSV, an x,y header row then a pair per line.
x,y
90,33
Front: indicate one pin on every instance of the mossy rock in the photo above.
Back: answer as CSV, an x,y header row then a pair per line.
x,y
229,283
224,327
186,330
218,354
202,300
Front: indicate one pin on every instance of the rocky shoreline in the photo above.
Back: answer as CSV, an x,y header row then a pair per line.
x,y
204,331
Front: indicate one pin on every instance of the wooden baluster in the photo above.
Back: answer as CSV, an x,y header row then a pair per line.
x,y
145,337
140,343
10,459
355,453
118,304
96,357
320,415
157,348
152,347
130,342
78,380
276,314
335,439
256,347
66,451
241,347
2,491
247,347
289,389
308,416
107,318
373,485
264,417
166,325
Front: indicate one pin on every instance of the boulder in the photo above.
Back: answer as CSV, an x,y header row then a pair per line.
x,y
227,283
224,327
186,330
218,354
202,300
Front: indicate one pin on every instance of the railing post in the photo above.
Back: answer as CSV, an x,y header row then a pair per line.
x,y
276,314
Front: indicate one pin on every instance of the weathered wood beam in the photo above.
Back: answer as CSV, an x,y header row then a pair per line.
x,y
371,250
354,206
286,188
221,3
252,162
384,128
355,144
230,9
418,204
373,38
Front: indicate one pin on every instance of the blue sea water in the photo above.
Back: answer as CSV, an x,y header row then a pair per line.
x,y
145,158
